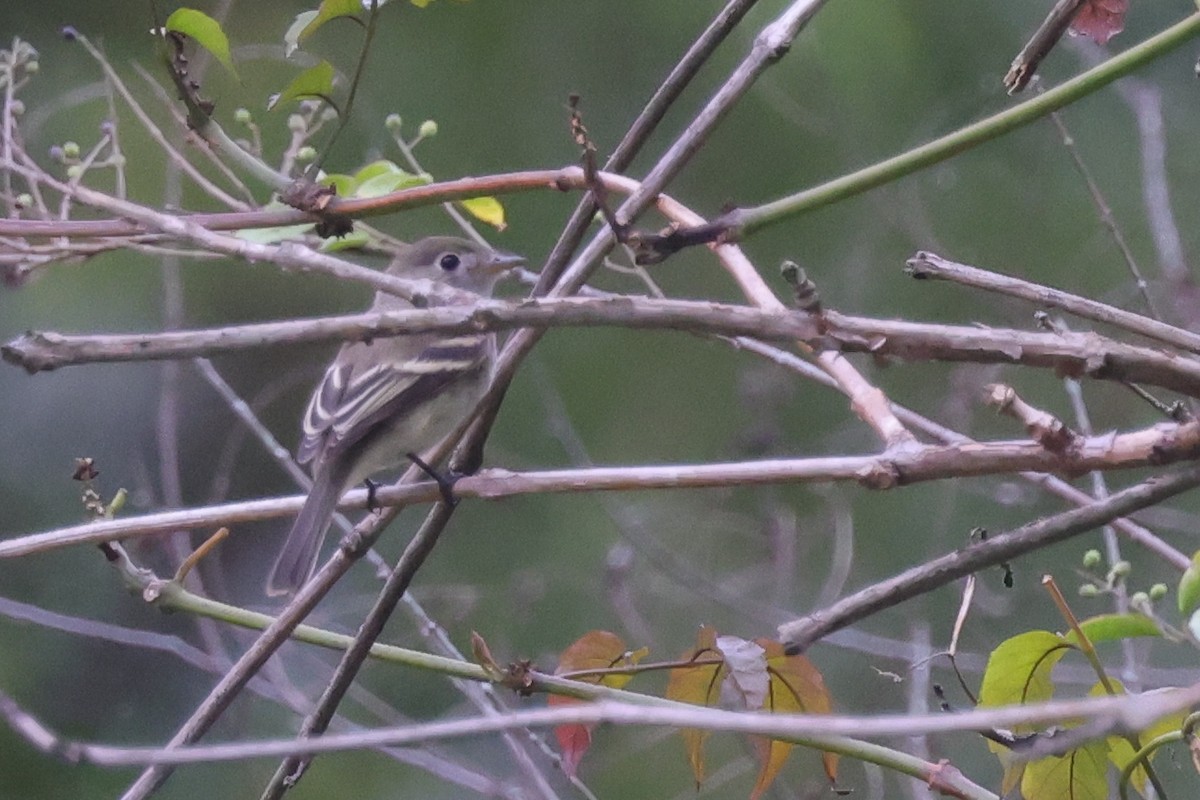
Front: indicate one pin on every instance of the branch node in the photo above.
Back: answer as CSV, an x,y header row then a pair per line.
x,y
1045,428
654,248
879,475
315,198
804,291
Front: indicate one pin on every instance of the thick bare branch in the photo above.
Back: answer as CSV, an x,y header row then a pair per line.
x,y
1076,355
1161,444
38,351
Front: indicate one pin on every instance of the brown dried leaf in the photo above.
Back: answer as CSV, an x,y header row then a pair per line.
x,y
483,657
747,683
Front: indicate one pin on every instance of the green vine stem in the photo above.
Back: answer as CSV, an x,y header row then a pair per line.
x,y
1142,758
169,595
743,222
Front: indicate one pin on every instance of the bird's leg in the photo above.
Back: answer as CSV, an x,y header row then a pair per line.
x,y
444,480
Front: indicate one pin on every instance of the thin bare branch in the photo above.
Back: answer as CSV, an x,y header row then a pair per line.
x,y
827,732
560,180
1040,44
647,120
933,574
931,266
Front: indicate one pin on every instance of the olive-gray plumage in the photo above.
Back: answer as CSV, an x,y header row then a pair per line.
x,y
381,400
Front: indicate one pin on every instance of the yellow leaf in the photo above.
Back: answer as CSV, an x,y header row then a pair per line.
x,y
599,650
486,209
700,685
1014,771
796,686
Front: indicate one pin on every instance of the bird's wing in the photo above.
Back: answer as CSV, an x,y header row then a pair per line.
x,y
357,392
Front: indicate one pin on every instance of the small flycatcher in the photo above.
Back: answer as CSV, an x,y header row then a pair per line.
x,y
380,401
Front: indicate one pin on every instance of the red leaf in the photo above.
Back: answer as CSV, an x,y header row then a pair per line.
x,y
594,650
573,739
1100,19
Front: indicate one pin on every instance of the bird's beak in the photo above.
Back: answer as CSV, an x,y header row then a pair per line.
x,y
502,261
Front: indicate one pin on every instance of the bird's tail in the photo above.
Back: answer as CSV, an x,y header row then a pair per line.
x,y
296,561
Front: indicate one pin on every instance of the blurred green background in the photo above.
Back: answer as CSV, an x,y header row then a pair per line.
x,y
866,80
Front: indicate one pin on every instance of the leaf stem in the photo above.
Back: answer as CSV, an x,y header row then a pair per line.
x,y
1093,657
635,669
1085,644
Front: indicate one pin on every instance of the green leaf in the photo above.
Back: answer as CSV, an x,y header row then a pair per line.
x,y
486,209
206,32
381,177
1120,753
342,183
277,234
1189,587
1018,671
330,9
274,235
1114,627
1120,749
385,167
385,184
1078,775
380,167
316,81
291,39
355,240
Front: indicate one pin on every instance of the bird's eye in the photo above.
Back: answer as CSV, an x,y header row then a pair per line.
x,y
449,262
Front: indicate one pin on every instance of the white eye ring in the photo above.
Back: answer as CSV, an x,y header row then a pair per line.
x,y
449,262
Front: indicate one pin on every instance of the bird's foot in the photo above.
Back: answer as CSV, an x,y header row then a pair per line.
x,y
444,480
372,501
